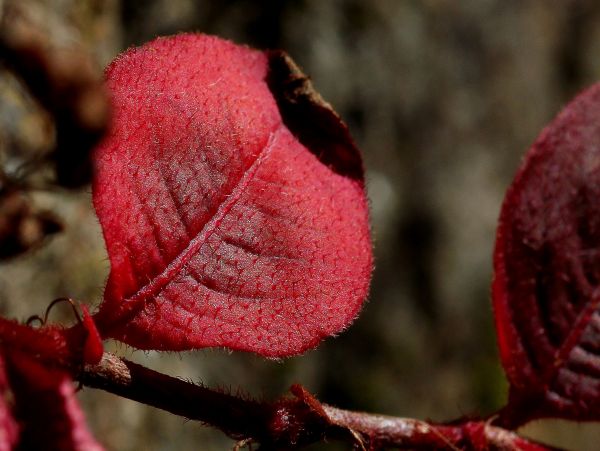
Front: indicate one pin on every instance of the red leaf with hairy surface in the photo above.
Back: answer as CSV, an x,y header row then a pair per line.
x,y
232,202
547,270
46,408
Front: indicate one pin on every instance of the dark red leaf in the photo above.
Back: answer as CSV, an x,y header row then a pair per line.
x,y
547,270
46,408
222,228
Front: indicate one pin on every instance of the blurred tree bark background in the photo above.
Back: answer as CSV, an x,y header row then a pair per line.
x,y
443,97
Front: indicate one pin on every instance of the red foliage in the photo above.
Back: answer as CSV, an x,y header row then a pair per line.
x,y
547,270
222,228
231,198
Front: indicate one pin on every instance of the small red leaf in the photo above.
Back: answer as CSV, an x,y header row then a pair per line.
x,y
46,408
547,270
50,345
222,228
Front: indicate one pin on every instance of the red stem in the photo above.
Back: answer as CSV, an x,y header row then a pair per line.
x,y
290,421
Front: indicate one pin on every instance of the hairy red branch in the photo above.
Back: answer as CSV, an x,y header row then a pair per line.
x,y
290,421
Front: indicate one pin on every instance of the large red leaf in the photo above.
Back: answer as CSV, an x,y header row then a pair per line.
x,y
547,270
232,202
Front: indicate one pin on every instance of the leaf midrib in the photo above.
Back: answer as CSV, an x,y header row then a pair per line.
x,y
130,306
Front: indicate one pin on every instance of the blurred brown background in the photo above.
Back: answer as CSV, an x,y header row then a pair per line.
x,y
444,98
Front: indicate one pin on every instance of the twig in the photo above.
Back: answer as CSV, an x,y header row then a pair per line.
x,y
290,421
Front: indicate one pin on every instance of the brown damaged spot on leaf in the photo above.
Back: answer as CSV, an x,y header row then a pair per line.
x,y
310,118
